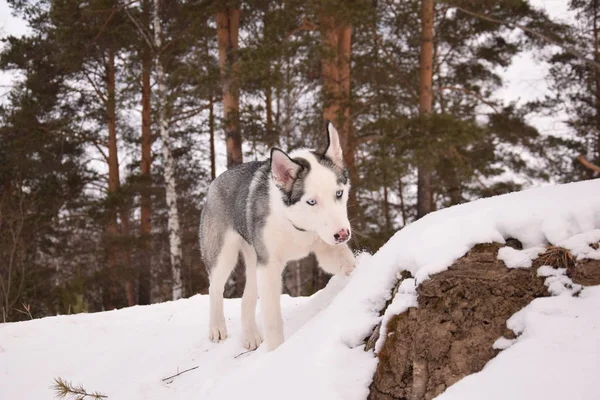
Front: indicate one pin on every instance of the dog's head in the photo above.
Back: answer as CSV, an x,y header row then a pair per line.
x,y
314,187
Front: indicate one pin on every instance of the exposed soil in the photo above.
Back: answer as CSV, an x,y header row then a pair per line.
x,y
461,313
585,272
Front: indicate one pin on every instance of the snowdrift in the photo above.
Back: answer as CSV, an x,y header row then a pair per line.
x,y
126,354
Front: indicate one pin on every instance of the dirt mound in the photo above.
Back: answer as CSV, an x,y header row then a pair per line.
x,y
585,272
461,313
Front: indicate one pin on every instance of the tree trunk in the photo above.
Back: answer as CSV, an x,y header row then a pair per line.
x,y
288,104
401,197
386,205
596,156
126,258
335,71
145,271
171,187
345,121
271,135
112,228
454,189
228,23
425,170
329,71
211,129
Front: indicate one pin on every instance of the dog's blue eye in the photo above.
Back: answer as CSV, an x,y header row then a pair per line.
x,y
339,194
311,202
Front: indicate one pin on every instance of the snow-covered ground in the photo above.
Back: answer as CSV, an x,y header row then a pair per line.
x,y
126,354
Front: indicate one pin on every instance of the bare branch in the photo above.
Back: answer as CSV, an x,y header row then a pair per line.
x,y
98,92
26,310
470,93
187,114
588,164
100,150
140,29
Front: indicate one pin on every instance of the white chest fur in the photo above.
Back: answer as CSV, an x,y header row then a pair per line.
x,y
285,243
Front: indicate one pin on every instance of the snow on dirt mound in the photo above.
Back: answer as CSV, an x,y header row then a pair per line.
x,y
126,354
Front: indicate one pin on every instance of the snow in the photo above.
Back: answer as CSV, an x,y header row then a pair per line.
x,y
514,258
126,354
503,343
404,299
558,282
579,245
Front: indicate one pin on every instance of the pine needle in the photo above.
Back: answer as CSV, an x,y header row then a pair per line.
x,y
64,389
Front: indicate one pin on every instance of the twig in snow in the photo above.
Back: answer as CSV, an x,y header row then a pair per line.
x,y
179,373
64,389
245,352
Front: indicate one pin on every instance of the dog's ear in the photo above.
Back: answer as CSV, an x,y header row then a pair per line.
x,y
284,170
334,147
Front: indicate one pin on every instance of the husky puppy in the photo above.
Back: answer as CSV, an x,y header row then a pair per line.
x,y
272,212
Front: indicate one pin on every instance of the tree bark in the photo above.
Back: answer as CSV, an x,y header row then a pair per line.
x,y
211,129
589,165
597,82
425,170
335,70
171,187
329,70
112,228
271,135
401,197
228,24
386,205
145,271
126,258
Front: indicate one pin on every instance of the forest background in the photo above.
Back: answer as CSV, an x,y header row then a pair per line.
x,y
116,116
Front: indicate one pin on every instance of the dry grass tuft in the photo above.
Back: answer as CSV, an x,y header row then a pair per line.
x,y
557,257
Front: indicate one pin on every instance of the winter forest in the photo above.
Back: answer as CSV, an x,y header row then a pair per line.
x,y
121,113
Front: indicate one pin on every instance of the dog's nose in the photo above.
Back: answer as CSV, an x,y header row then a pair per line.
x,y
342,235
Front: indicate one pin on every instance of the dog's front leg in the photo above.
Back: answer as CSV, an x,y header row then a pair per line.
x,y
269,293
336,259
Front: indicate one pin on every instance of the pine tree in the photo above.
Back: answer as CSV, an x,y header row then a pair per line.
x,y
89,67
576,85
42,180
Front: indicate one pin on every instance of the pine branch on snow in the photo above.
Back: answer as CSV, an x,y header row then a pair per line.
x,y
64,389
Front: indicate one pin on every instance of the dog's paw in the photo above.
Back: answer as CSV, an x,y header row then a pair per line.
x,y
251,338
348,262
347,268
217,331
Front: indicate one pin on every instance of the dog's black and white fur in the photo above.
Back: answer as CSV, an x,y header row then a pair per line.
x,y
272,212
